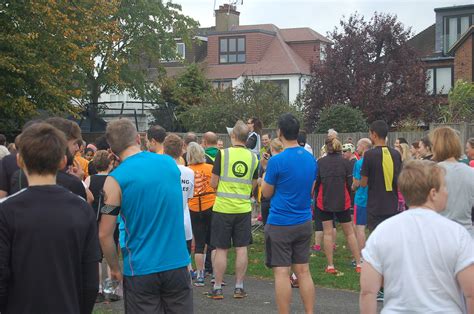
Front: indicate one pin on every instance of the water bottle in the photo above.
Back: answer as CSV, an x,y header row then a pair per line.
x,y
111,288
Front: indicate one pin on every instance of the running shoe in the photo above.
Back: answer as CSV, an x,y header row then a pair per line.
x,y
215,294
380,295
354,263
112,297
331,270
239,293
199,282
193,274
358,269
316,248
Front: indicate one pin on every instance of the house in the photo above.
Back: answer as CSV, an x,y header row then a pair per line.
x,y
229,53
261,52
447,48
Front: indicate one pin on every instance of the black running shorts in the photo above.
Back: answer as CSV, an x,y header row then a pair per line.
x,y
231,230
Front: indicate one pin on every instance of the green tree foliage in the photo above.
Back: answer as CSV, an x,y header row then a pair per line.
x,y
224,108
460,106
343,118
41,45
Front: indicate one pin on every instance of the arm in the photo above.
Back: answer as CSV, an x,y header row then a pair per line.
x,y
5,249
108,221
214,181
363,181
90,196
466,281
87,182
355,184
267,189
370,283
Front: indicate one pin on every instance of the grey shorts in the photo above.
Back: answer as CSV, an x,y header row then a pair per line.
x,y
164,292
287,245
227,229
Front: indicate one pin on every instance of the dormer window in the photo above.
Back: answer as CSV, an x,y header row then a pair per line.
x,y
454,27
232,50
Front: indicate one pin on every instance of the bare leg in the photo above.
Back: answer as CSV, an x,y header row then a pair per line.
x,y
348,229
360,233
307,291
328,241
282,289
220,265
334,236
241,261
318,237
199,259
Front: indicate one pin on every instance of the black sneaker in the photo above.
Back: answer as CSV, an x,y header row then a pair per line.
x,y
239,293
112,297
215,294
380,296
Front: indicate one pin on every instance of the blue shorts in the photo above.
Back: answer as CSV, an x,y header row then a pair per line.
x,y
360,215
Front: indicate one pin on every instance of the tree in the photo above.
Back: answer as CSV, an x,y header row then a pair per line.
x,y
41,45
370,67
224,108
460,106
343,118
144,33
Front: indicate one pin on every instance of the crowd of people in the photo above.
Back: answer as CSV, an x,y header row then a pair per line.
x,y
172,207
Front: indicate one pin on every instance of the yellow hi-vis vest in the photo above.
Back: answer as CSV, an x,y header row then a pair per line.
x,y
238,164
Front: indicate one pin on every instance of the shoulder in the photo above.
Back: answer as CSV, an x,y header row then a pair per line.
x,y
12,199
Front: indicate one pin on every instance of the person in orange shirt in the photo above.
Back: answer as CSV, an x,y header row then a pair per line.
x,y
80,161
200,206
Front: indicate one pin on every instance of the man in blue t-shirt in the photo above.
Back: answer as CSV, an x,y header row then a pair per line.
x,y
289,181
145,189
360,198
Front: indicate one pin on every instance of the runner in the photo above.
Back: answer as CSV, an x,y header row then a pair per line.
x,y
95,184
332,134
399,141
209,143
459,177
379,173
155,136
220,144
82,162
360,199
201,208
414,150
49,248
266,138
234,175
470,151
333,185
289,181
253,141
424,149
173,146
302,142
145,190
276,147
429,263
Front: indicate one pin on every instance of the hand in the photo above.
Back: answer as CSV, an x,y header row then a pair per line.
x,y
116,275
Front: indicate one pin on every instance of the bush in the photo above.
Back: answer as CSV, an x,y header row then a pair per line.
x,y
343,118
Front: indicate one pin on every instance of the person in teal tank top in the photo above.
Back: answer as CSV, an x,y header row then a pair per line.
x,y
145,190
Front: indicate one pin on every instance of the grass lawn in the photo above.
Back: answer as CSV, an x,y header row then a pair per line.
x,y
348,279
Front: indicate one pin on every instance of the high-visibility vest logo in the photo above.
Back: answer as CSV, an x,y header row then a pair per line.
x,y
240,169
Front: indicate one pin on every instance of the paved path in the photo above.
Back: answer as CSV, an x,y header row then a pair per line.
x,y
261,299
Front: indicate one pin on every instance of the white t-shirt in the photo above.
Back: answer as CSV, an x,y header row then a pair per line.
x,y
419,253
187,184
308,148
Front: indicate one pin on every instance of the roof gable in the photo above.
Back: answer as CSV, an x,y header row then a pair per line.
x,y
461,40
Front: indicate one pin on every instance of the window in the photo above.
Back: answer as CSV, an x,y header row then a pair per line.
x,y
454,28
232,50
181,50
221,85
284,86
440,80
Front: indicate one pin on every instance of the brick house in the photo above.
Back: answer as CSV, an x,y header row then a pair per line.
x,y
229,53
261,52
447,48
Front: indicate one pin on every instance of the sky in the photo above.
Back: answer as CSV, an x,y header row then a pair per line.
x,y
320,15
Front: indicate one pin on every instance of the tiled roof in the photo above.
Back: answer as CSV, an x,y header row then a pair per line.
x,y
302,34
424,42
278,59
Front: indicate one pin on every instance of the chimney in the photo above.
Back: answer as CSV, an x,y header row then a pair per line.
x,y
227,17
